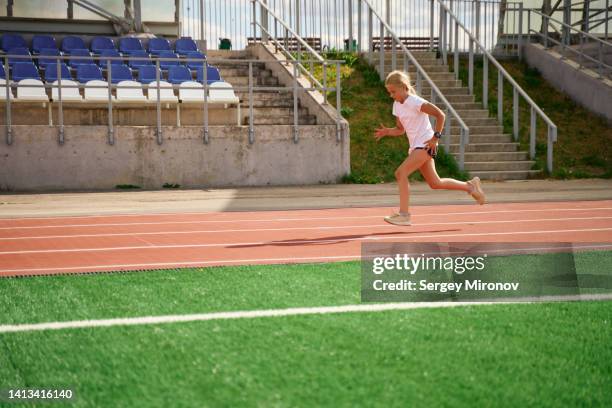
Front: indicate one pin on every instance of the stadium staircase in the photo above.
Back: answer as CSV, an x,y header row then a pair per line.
x,y
491,153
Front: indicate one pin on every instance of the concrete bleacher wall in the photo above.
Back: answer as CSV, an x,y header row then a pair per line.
x,y
35,160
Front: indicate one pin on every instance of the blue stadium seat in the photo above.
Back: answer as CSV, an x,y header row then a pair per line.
x,y
10,41
51,72
102,62
130,44
136,64
156,45
71,43
99,44
46,56
120,73
146,74
25,70
89,72
168,64
74,63
179,74
184,45
195,64
212,74
18,51
40,42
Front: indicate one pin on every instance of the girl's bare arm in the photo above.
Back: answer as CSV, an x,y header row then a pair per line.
x,y
383,131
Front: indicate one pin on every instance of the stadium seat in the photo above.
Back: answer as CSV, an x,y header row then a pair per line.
x,y
70,91
222,92
166,93
195,65
212,74
146,74
97,91
83,58
103,62
184,45
40,42
120,73
126,92
157,45
71,43
99,44
137,63
130,44
27,93
2,73
46,57
89,72
179,74
51,72
18,51
191,91
10,41
3,90
24,70
167,64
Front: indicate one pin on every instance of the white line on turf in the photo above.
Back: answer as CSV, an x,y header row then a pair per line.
x,y
380,225
222,262
250,314
371,237
476,212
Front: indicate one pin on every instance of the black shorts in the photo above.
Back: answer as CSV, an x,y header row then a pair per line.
x,y
433,155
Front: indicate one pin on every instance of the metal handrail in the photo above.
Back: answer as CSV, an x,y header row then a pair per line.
x,y
502,73
465,131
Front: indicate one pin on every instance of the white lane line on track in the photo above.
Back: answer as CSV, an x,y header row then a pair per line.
x,y
381,225
299,219
373,237
297,311
577,246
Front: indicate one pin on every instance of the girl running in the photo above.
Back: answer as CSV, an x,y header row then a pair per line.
x,y
412,118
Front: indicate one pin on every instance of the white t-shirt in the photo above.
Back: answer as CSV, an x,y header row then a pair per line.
x,y
416,123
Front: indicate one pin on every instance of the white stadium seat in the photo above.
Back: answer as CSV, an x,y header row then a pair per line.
x,y
191,91
222,92
96,94
26,93
70,92
126,92
166,93
3,90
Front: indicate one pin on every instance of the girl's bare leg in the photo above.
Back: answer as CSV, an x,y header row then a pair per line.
x,y
413,162
428,170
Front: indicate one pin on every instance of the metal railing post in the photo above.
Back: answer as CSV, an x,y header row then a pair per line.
x,y
471,68
447,130
431,25
205,86
515,114
393,44
111,133
359,29
520,34
381,56
325,83
297,31
295,104
528,26
532,135
9,128
350,25
462,149
251,125
485,81
456,58
253,20
419,82
264,22
370,35
549,149
338,103
60,108
546,31
158,134
500,97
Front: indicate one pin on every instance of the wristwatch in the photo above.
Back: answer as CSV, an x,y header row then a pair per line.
x,y
437,135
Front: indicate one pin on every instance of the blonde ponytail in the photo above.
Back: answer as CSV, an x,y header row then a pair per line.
x,y
400,78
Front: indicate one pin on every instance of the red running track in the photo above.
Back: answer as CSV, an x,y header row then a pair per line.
x,y
36,246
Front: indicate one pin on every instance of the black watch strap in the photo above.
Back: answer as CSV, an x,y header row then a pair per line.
x,y
438,135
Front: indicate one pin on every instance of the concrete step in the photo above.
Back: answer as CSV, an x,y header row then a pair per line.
x,y
244,81
471,122
499,165
505,175
237,72
472,113
446,90
281,120
495,156
273,112
482,138
461,98
463,106
478,130
485,147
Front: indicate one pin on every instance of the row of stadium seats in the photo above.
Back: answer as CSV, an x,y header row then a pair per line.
x,y
69,44
88,72
32,90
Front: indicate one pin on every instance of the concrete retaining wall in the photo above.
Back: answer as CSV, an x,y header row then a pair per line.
x,y
584,88
35,160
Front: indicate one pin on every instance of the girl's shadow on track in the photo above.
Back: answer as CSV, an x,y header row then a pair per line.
x,y
333,240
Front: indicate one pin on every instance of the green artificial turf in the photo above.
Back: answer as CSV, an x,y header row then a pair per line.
x,y
546,354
